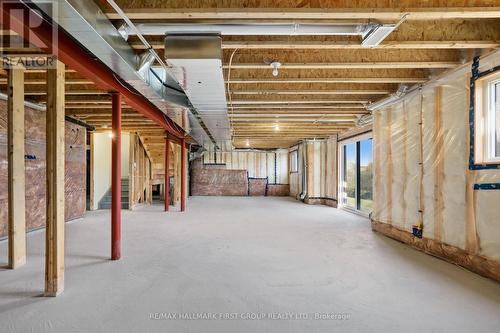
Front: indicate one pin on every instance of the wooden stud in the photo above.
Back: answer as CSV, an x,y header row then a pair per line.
x,y
389,166
54,252
131,168
16,168
184,167
439,165
167,174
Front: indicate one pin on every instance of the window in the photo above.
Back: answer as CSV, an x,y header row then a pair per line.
x,y
493,121
294,155
487,121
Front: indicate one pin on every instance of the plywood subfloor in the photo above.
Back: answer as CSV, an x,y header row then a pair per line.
x,y
244,255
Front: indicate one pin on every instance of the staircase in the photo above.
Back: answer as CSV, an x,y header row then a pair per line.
x,y
105,202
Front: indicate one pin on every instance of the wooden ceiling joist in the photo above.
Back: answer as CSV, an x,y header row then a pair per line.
x,y
324,82
331,80
310,92
445,44
340,65
431,13
318,45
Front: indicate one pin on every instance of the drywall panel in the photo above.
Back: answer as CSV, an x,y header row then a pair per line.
x,y
102,163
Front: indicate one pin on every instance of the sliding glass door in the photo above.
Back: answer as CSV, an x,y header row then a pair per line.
x,y
356,190
350,183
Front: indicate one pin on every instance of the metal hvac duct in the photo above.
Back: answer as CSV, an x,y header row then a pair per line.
x,y
372,34
196,62
85,22
279,29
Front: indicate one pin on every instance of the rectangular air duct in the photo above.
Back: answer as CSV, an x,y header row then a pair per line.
x,y
195,60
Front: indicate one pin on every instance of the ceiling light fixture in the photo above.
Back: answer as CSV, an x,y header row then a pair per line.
x,y
275,65
277,127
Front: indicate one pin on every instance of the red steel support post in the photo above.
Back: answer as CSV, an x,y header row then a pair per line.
x,y
166,188
116,181
183,174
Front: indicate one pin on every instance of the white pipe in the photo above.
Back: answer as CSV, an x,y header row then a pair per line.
x,y
31,105
402,91
292,29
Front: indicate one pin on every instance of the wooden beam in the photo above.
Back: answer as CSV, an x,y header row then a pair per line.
x,y
43,82
357,65
54,253
68,92
459,44
16,169
431,13
332,80
310,92
304,101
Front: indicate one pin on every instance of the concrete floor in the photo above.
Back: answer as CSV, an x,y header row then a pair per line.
x,y
244,257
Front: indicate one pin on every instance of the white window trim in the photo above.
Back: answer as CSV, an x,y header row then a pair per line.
x,y
490,125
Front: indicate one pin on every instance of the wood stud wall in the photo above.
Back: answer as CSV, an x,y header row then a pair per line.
x,y
16,173
54,254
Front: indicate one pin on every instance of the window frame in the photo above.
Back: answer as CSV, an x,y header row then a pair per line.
x,y
479,118
490,126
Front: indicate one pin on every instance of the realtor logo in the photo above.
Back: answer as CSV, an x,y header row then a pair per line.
x,y
29,38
